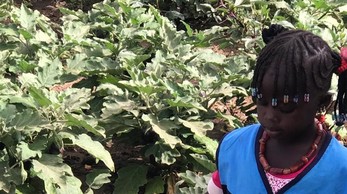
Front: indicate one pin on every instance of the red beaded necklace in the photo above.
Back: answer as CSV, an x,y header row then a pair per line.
x,y
304,159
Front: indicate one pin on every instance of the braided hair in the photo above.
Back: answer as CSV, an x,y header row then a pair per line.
x,y
308,63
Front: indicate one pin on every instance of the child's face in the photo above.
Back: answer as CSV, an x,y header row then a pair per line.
x,y
286,120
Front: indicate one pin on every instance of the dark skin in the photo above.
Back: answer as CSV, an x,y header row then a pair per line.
x,y
291,126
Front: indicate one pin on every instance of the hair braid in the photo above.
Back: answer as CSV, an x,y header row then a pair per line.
x,y
308,64
341,99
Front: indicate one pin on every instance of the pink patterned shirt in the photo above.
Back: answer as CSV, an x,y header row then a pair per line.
x,y
278,181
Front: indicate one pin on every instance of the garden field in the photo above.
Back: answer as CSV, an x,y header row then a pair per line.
x,y
132,96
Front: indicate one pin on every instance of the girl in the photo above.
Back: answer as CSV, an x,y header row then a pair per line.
x,y
290,150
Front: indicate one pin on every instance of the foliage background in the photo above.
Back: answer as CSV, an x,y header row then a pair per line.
x,y
132,96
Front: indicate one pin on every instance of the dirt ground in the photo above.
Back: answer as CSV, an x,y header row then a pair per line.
x,y
50,7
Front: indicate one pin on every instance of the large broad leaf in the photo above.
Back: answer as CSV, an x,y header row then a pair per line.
x,y
29,79
204,162
27,18
233,121
98,178
211,145
226,90
162,128
28,119
158,64
26,153
343,8
96,149
77,64
39,96
209,57
49,71
75,31
7,112
238,2
155,185
163,153
198,127
76,99
185,102
281,5
43,37
130,178
88,123
57,176
172,38
195,179
10,176
191,190
118,105
26,101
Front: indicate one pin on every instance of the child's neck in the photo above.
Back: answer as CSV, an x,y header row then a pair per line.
x,y
304,137
284,153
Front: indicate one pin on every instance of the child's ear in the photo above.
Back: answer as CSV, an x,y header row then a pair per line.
x,y
326,100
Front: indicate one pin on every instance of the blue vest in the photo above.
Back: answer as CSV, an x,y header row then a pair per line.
x,y
241,173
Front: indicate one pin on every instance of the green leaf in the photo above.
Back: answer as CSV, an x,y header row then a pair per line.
x,y
29,79
9,30
117,106
96,149
343,133
97,178
191,190
186,102
49,71
27,17
75,99
25,66
238,2
198,127
168,32
281,5
26,153
232,120
162,128
57,176
75,30
10,176
163,153
28,119
227,90
39,96
204,161
130,178
155,185
211,145
77,64
7,112
43,37
27,35
194,179
188,28
85,122
343,8
25,188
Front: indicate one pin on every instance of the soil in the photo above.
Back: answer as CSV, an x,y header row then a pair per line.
x,y
50,8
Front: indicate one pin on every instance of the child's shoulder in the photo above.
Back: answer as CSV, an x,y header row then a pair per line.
x,y
335,155
243,133
338,148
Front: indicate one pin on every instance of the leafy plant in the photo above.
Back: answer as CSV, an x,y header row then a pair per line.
x,y
119,71
124,73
